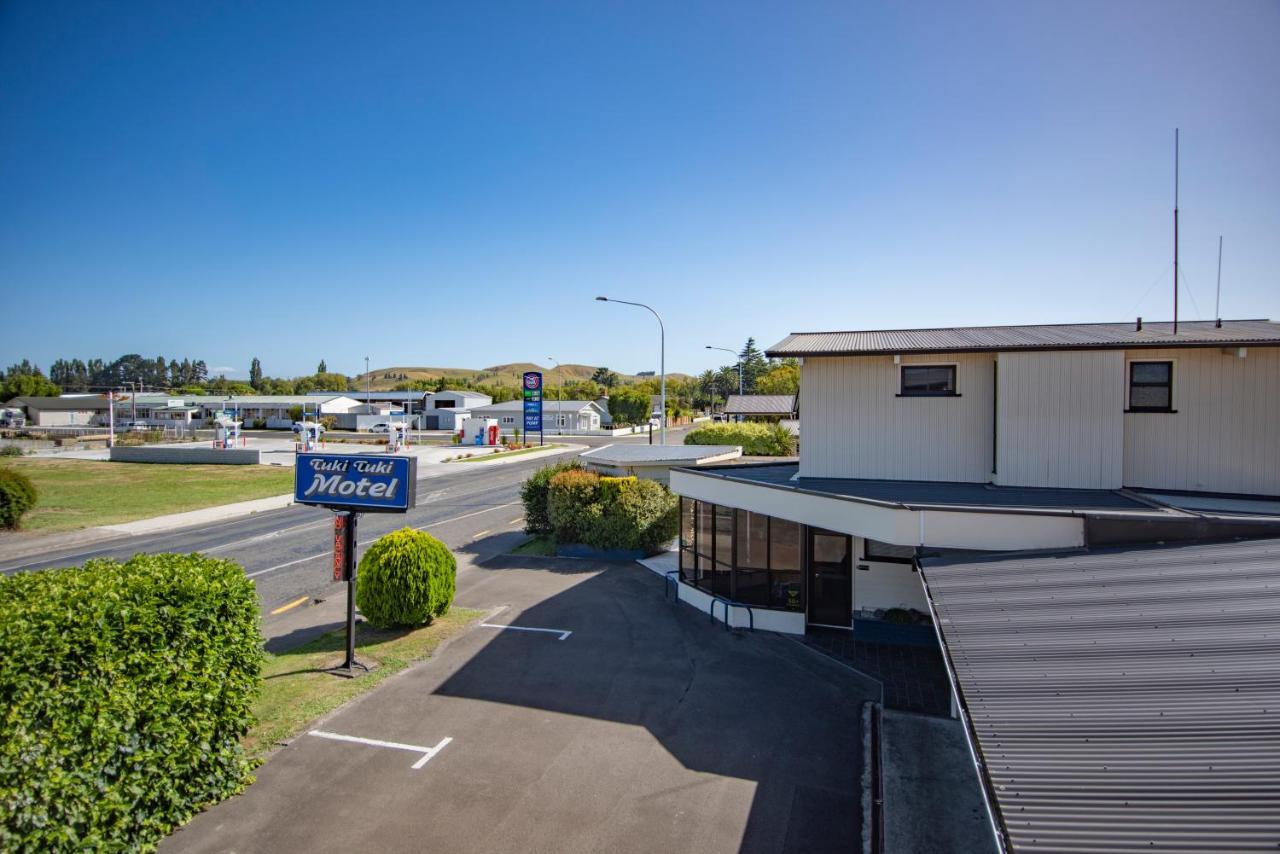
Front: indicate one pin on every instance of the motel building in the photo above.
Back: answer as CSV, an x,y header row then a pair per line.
x,y
1087,516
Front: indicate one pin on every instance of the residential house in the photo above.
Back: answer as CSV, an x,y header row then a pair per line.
x,y
81,410
557,415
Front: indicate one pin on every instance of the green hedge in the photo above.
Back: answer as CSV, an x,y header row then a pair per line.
x,y
406,578
124,690
757,440
537,519
17,496
612,513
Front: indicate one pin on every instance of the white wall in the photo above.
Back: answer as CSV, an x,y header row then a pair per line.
x,y
855,425
1060,419
884,585
1225,434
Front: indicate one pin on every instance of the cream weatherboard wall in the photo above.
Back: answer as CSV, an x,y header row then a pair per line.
x,y
855,425
1225,433
1060,419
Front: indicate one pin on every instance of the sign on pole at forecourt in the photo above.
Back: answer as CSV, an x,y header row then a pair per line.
x,y
361,483
351,484
532,387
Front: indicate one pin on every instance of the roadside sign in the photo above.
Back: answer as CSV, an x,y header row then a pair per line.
x,y
532,388
357,482
340,551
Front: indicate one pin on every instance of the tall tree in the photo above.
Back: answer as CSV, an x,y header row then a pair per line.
x,y
322,368
255,373
753,365
200,371
605,377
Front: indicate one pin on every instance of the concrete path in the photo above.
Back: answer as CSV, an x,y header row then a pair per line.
x,y
645,729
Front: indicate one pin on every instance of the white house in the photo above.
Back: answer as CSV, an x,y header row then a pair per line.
x,y
445,410
990,438
563,415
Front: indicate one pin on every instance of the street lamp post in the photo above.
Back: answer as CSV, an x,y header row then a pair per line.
x,y
559,397
727,350
368,381
662,339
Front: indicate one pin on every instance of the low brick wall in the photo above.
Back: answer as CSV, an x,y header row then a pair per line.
x,y
194,455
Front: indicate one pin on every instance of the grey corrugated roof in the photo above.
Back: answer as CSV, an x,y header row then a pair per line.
x,y
1055,337
760,404
625,453
548,406
81,402
1126,699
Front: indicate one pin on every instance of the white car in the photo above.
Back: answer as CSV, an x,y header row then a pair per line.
x,y
128,426
382,427
655,420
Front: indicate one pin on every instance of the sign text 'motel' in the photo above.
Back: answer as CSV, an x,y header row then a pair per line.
x,y
532,388
362,483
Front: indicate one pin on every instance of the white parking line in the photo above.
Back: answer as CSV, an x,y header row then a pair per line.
x,y
563,633
427,752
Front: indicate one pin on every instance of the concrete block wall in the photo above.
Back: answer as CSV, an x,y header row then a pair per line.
x,y
193,455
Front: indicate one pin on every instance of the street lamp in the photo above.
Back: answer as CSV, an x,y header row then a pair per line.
x,y
368,381
734,352
662,339
559,395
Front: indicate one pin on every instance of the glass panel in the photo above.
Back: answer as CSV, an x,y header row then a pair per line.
x,y
830,548
720,586
687,510
706,525
752,586
786,586
928,379
1153,396
724,534
1151,372
688,565
753,541
706,572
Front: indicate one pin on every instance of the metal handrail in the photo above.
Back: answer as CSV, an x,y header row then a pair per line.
x,y
670,583
711,611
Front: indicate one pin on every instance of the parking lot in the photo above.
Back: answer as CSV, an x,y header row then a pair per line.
x,y
585,713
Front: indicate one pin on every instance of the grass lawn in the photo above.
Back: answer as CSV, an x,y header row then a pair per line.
x,y
540,546
296,690
488,454
81,493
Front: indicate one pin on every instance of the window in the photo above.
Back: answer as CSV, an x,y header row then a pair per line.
x,y
1151,387
748,557
887,552
928,381
444,404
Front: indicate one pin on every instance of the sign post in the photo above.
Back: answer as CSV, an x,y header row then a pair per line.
x,y
350,484
532,387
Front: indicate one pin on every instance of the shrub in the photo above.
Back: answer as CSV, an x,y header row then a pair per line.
x,y
126,688
757,440
406,578
573,503
644,515
533,493
10,451
17,496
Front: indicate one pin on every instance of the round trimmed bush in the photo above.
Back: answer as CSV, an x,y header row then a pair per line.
x,y
406,578
17,496
573,503
534,494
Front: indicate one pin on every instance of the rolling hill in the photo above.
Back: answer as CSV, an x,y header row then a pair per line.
x,y
497,375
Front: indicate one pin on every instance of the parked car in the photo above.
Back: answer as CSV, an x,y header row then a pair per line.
x,y
13,420
128,425
297,426
381,427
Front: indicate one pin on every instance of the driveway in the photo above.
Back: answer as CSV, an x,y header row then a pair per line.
x,y
645,729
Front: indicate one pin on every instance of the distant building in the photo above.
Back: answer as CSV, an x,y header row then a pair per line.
x,y
761,406
566,415
82,410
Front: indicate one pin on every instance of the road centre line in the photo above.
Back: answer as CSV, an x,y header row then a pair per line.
x,y
267,536
427,752
295,603
563,633
420,528
483,533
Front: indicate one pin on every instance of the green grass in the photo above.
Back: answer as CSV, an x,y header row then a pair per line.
x,y
81,493
296,690
488,454
539,546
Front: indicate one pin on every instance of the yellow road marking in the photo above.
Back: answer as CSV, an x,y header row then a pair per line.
x,y
479,535
516,521
295,603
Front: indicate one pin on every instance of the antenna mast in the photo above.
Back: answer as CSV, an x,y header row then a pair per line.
x,y
1217,301
1175,231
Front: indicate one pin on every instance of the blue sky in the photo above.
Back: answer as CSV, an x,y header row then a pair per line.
x,y
434,184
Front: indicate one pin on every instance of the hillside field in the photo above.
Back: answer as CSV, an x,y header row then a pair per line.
x,y
498,375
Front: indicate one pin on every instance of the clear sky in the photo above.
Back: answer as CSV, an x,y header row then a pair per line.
x,y
451,184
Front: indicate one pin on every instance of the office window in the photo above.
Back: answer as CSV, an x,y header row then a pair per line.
x,y
928,381
786,582
888,552
1151,386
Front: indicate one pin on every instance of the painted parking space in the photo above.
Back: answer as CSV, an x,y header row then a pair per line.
x,y
563,633
427,752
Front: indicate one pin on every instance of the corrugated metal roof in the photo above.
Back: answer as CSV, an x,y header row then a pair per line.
x,y
78,403
760,404
624,454
1055,337
1126,699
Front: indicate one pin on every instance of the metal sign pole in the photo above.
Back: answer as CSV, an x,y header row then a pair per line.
x,y
344,565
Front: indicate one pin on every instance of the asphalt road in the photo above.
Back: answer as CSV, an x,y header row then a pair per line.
x,y
288,552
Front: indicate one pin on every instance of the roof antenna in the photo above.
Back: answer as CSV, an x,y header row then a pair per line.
x,y
1217,301
1175,231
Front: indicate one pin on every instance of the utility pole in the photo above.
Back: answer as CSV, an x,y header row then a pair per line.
x,y
662,343
368,381
1175,231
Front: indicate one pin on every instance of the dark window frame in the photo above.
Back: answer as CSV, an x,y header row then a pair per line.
x,y
949,366
870,558
705,579
1167,385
